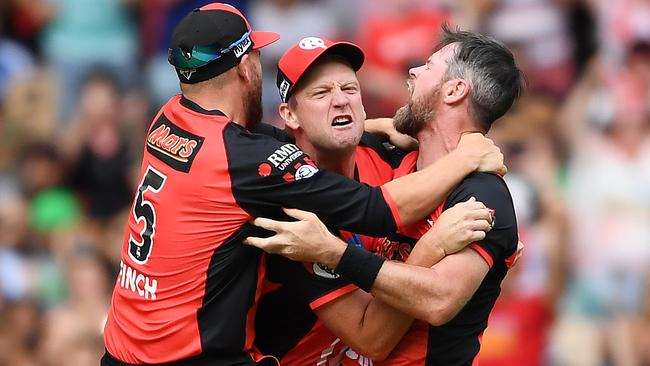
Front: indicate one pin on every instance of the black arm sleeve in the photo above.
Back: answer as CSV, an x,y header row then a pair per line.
x,y
276,133
313,283
267,174
490,189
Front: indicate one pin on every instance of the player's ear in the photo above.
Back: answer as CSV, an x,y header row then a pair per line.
x,y
289,117
455,90
245,67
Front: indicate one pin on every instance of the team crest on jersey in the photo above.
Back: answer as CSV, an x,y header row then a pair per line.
x,y
305,171
173,145
301,170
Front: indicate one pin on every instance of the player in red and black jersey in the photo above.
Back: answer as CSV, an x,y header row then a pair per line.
x,y
469,82
452,336
323,109
187,289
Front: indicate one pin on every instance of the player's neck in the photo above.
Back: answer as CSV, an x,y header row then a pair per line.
x,y
341,161
438,139
433,145
341,164
231,104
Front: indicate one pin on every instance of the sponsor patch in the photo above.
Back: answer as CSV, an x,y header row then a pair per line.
x,y
173,145
291,163
284,89
242,47
396,248
284,156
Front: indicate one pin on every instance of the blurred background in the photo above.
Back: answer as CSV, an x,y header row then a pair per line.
x,y
80,81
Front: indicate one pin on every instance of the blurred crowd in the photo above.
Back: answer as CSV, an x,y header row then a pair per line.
x,y
80,81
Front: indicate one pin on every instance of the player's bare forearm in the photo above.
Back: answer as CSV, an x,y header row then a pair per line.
x,y
379,127
464,223
367,325
419,193
435,294
425,258
384,129
309,240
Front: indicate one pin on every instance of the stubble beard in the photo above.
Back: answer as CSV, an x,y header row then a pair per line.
x,y
253,103
413,117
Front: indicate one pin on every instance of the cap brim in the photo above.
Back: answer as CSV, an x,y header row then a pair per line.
x,y
348,51
261,39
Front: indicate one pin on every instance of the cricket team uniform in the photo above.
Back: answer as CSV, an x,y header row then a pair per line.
x,y
188,289
456,343
286,325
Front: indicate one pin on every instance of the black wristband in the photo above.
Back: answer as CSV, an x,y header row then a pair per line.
x,y
360,266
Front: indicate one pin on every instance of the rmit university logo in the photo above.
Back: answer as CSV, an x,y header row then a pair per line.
x,y
282,157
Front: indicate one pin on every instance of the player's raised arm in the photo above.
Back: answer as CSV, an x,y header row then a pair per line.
x,y
416,195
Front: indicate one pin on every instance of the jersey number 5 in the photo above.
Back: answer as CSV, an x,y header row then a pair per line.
x,y
144,210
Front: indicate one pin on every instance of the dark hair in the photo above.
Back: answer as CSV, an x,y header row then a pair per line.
x,y
489,66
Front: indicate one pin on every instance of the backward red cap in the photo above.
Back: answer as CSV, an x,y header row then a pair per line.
x,y
295,62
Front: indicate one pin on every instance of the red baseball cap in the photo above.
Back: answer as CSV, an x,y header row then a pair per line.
x,y
295,62
212,39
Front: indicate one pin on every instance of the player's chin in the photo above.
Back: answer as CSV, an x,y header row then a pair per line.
x,y
346,142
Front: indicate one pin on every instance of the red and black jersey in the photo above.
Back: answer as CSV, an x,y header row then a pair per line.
x,y
456,343
286,326
187,288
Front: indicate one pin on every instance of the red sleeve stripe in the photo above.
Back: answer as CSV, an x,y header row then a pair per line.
x,y
511,260
483,253
393,207
332,296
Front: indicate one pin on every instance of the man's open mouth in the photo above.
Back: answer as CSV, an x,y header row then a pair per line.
x,y
340,121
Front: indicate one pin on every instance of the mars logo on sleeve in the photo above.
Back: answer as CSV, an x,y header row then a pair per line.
x,y
173,145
